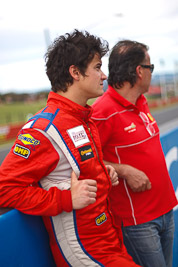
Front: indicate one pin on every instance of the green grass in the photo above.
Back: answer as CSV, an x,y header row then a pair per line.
x,y
18,112
91,101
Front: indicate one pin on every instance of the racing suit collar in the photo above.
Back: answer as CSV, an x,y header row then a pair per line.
x,y
69,106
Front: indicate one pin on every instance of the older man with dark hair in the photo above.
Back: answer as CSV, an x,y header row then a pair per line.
x,y
144,199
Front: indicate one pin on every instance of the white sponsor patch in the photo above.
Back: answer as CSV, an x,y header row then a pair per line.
x,y
78,135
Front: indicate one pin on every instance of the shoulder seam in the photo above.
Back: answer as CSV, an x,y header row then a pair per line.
x,y
113,114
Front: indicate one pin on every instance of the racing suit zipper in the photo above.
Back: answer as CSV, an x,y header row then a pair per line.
x,y
96,148
93,142
120,242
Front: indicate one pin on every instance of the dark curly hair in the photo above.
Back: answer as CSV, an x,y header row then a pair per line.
x,y
125,56
77,48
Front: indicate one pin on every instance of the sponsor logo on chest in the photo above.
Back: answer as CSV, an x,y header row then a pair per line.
x,y
78,135
86,152
131,128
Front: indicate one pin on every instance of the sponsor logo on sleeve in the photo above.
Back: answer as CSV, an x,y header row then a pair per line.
x,y
27,139
101,219
78,135
21,151
86,152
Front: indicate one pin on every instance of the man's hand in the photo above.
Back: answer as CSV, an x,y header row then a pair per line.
x,y
136,179
113,175
83,192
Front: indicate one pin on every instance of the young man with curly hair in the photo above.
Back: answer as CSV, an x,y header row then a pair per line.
x,y
55,168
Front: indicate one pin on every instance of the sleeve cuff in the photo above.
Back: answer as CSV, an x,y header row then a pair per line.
x,y
66,200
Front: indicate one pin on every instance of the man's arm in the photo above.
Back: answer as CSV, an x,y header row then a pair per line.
x,y
19,178
136,179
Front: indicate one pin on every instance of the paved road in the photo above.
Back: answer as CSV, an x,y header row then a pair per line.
x,y
3,152
166,119
166,115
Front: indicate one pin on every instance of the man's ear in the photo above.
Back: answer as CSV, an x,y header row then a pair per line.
x,y
74,72
139,71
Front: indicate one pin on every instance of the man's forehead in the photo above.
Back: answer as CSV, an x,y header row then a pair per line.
x,y
147,56
97,57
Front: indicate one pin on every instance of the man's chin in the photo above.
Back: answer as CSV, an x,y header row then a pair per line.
x,y
101,92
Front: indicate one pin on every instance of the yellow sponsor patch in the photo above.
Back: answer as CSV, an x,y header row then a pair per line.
x,y
101,219
27,139
86,152
21,151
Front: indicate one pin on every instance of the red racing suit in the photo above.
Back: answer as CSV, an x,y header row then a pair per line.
x,y
130,135
35,179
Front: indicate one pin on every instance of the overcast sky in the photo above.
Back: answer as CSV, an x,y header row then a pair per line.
x,y
27,27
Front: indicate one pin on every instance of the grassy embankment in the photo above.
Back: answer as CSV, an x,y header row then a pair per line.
x,y
18,112
14,113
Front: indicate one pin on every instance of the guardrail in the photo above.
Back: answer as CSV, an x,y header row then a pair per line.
x,y
169,142
24,241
